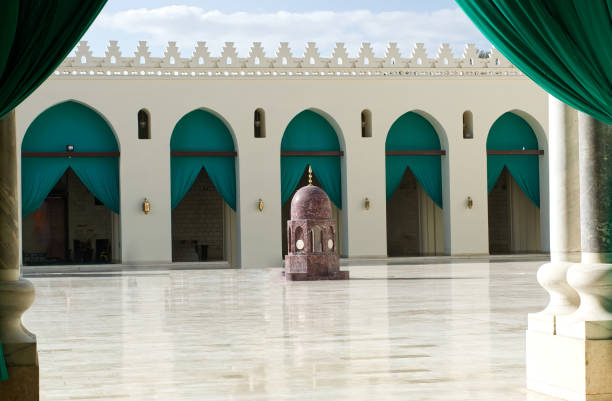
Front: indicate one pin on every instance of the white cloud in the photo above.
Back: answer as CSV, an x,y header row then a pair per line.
x,y
187,25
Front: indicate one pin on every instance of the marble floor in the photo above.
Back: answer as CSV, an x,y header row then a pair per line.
x,y
449,331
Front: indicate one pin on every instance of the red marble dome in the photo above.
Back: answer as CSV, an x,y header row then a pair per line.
x,y
310,203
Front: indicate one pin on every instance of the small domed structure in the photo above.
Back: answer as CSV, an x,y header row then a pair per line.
x,y
311,237
310,202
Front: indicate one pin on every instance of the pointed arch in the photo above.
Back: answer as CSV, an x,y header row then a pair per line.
x,y
45,154
413,143
310,139
511,133
199,140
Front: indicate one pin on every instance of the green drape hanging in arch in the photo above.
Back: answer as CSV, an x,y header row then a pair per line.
x,y
35,37
200,130
564,46
3,370
309,131
413,132
511,132
69,123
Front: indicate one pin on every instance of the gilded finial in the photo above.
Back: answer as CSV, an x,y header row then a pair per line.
x,y
309,175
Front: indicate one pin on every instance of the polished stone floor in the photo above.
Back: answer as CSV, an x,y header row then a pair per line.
x,y
449,331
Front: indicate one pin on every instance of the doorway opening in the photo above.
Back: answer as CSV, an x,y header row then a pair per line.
x,y
514,221
414,221
201,223
71,227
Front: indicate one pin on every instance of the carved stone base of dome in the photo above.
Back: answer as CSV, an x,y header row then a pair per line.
x,y
313,267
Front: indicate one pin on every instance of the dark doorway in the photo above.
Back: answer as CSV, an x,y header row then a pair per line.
x,y
414,221
70,227
514,221
198,223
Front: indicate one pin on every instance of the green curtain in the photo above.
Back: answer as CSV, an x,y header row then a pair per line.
x,y
35,37
69,123
413,132
309,131
200,130
511,132
563,45
325,168
3,370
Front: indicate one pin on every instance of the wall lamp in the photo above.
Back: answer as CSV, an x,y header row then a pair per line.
x,y
366,204
69,148
146,206
470,202
260,205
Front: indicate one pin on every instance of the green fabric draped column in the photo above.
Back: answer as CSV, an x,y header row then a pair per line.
x,y
309,131
202,131
564,46
61,125
511,132
35,37
413,132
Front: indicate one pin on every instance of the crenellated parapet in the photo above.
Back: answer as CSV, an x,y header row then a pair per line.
x,y
285,64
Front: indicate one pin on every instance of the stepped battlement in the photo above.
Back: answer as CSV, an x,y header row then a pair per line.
x,y
284,64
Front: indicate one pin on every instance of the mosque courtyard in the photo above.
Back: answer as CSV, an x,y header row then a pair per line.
x,y
406,329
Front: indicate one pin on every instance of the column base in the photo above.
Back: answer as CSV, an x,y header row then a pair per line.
x,y
569,368
22,384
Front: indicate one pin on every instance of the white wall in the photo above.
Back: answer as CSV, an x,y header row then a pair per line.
x,y
145,164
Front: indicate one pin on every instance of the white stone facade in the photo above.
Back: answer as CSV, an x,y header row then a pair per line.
x,y
339,88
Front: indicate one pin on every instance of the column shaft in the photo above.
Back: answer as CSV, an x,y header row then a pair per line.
x,y
564,191
564,182
592,278
595,189
9,218
16,294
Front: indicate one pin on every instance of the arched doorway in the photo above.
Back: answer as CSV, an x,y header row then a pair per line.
x,y
310,140
513,182
203,185
70,188
414,188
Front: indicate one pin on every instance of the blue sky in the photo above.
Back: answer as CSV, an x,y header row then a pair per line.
x,y
270,21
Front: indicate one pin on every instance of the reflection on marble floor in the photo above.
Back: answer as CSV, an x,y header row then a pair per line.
x,y
428,332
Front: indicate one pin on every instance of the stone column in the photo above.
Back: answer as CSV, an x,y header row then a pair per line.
x,y
592,278
575,362
16,293
564,191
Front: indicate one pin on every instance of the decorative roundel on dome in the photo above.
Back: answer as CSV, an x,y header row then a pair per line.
x,y
299,244
310,202
330,243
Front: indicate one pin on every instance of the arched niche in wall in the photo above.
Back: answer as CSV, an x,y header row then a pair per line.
x,y
366,124
259,123
70,187
414,187
513,184
468,125
144,124
203,188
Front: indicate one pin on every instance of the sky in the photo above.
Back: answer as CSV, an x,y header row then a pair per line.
x,y
325,22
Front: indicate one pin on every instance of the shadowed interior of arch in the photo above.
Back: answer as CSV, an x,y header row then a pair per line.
x,y
70,188
203,188
414,188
